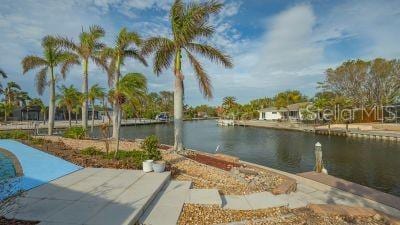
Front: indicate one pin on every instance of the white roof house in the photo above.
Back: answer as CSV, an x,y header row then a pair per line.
x,y
273,113
291,112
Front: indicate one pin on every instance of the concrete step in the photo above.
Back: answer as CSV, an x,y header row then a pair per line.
x,y
103,197
167,206
204,197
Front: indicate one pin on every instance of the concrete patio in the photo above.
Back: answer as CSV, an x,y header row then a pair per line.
x,y
91,196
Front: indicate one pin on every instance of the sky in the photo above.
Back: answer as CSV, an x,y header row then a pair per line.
x,y
275,45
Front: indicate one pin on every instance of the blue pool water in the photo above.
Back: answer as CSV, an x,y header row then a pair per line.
x,y
7,169
37,167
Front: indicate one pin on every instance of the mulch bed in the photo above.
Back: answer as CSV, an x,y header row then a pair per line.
x,y
59,149
4,221
211,161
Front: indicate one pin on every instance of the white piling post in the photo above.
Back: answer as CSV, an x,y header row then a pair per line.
x,y
318,158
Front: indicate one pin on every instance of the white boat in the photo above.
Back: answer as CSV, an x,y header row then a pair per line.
x,y
223,122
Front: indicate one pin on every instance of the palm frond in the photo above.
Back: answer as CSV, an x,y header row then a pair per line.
x,y
96,31
3,74
31,62
133,53
163,59
125,38
211,53
67,43
67,60
152,44
201,75
41,80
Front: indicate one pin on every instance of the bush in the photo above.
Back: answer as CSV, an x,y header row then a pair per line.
x,y
92,151
150,146
75,133
14,134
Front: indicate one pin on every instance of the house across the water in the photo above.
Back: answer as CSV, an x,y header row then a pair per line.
x,y
293,112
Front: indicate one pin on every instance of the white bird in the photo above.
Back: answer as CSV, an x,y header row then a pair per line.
x,y
217,148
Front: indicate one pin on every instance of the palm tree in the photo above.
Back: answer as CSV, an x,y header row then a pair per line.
x,y
68,97
88,48
229,102
123,49
11,91
53,56
95,92
131,87
188,23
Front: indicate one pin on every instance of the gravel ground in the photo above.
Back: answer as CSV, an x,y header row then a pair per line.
x,y
227,183
207,214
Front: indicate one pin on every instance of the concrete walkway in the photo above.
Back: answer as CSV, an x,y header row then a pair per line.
x,y
92,197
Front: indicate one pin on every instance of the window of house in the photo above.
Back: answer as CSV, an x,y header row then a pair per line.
x,y
273,112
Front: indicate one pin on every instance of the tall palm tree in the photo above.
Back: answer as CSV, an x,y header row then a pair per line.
x,y
88,48
124,48
68,97
95,92
53,56
131,87
188,23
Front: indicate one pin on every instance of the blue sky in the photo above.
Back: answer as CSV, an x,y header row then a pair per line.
x,y
276,45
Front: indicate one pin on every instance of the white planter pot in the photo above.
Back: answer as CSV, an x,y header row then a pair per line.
x,y
147,166
159,166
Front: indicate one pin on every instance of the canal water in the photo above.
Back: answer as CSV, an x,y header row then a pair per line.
x,y
372,163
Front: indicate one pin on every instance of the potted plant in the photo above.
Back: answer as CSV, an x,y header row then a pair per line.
x,y
147,165
159,166
150,145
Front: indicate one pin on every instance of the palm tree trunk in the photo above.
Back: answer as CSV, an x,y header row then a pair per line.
x,y
52,102
5,115
178,105
117,135
116,107
69,118
85,88
91,129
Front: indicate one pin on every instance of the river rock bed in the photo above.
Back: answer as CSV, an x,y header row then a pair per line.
x,y
207,214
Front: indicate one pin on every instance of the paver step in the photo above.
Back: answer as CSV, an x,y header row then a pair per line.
x,y
167,206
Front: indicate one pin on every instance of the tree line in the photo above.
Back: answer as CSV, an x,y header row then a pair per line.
x,y
190,28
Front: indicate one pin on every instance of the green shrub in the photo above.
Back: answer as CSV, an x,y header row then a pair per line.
x,y
14,134
92,151
37,141
150,146
75,133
